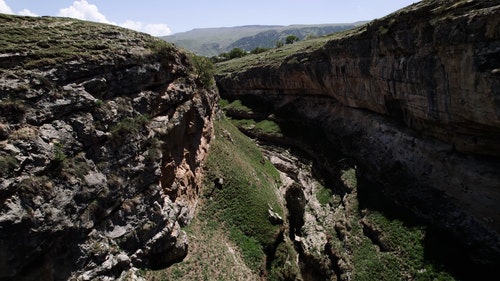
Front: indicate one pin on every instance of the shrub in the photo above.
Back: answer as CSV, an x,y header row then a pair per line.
x,y
324,196
259,50
129,125
8,163
237,53
290,39
59,155
204,70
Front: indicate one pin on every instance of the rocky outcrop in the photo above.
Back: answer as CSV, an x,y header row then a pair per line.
x,y
100,151
306,215
413,100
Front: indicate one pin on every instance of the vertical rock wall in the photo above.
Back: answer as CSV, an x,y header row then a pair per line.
x,y
100,157
413,99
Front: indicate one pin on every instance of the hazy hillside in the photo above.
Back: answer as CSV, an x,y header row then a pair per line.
x,y
267,39
213,41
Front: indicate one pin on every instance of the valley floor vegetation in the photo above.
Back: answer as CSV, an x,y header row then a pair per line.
x,y
231,237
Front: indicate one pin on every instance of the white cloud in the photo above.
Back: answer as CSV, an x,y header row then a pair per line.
x,y
26,12
4,9
135,25
84,11
158,29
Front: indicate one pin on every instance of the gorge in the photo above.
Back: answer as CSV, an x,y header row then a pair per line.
x,y
411,98
118,160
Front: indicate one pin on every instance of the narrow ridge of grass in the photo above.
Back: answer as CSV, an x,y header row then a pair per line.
x,y
248,190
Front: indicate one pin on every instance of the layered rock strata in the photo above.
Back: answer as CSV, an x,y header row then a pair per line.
x,y
413,99
100,151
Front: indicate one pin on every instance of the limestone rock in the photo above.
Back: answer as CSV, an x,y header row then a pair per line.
x,y
412,99
90,147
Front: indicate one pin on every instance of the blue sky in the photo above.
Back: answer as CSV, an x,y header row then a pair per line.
x,y
173,16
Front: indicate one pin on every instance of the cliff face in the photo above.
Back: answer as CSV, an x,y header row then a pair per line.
x,y
413,98
433,66
102,134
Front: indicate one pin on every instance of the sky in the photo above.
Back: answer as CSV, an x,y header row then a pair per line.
x,y
166,17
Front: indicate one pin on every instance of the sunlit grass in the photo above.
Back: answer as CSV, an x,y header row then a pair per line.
x,y
249,189
44,41
275,57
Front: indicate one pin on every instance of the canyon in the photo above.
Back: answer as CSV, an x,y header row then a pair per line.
x,y
111,141
411,99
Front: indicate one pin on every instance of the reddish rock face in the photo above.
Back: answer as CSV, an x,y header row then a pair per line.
x,y
413,98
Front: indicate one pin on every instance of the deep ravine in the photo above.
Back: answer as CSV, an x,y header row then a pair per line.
x,y
340,223
412,99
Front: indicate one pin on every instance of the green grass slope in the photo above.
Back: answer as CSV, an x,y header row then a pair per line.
x,y
250,187
31,42
289,54
231,235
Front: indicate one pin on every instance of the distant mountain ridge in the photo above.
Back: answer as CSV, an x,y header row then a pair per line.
x,y
213,41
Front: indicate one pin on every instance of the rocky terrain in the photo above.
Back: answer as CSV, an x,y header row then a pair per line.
x,y
377,157
411,99
102,135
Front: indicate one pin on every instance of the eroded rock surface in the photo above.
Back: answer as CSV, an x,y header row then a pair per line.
x,y
433,66
413,99
100,153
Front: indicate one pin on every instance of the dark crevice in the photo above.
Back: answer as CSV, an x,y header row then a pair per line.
x,y
295,203
334,259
